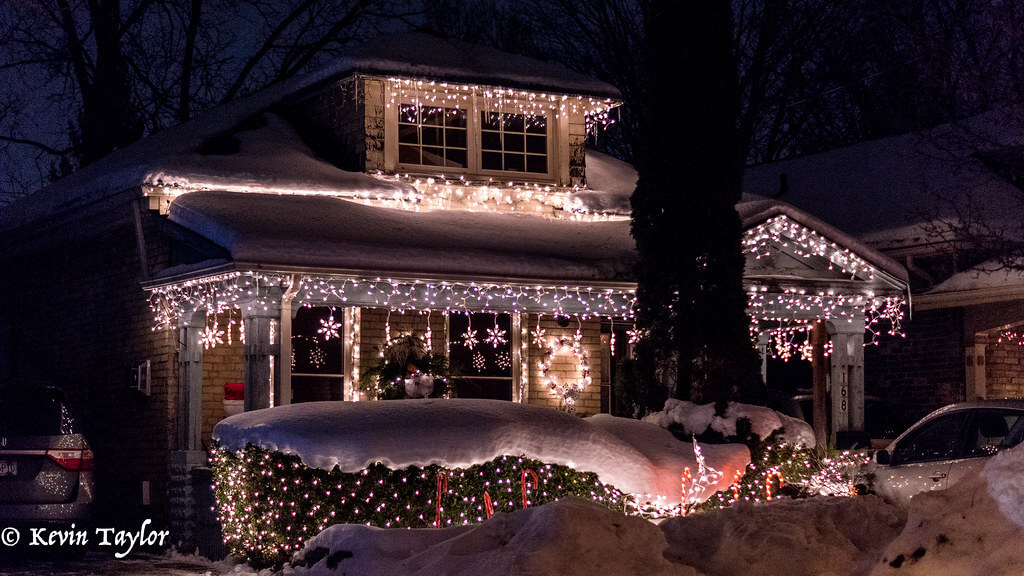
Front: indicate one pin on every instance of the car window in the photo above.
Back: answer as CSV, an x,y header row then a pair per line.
x,y
937,439
992,430
34,412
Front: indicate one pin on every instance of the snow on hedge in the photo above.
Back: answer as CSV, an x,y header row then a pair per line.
x,y
634,456
699,418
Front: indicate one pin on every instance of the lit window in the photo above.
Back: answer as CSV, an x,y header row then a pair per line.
x,y
513,142
432,136
480,352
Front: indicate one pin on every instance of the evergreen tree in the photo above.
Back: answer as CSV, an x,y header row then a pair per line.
x,y
690,295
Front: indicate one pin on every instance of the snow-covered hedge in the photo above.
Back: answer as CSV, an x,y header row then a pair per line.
x,y
271,503
284,474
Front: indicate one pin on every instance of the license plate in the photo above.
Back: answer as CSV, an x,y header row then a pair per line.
x,y
8,468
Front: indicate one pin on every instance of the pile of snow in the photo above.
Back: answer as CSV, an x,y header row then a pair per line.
x,y
570,536
975,527
822,536
634,456
699,418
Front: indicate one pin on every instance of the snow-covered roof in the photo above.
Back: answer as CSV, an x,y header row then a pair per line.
x,y
428,57
988,282
634,456
269,230
880,191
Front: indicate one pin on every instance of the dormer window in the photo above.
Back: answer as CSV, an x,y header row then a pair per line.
x,y
472,141
478,134
513,142
432,136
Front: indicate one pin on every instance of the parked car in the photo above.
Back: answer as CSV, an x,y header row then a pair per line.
x,y
46,464
943,447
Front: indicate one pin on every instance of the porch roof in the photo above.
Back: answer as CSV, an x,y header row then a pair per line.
x,y
278,232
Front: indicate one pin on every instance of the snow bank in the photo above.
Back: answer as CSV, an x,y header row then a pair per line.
x,y
697,419
822,536
973,528
570,536
634,456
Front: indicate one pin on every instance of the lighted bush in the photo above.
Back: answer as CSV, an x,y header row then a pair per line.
x,y
271,503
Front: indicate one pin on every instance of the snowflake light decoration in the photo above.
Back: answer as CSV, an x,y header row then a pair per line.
x,y
329,328
469,338
540,336
317,357
504,361
634,335
495,336
211,336
479,362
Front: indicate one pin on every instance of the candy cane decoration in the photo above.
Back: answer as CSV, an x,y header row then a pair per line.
x,y
768,483
736,485
488,505
683,482
442,486
522,481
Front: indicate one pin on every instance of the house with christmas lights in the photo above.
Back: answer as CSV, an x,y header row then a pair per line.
x,y
420,218
944,202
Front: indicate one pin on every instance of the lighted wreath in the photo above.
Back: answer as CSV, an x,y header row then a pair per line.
x,y
568,391
406,370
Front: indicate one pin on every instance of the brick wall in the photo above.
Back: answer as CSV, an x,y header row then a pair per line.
x,y
1004,370
333,121
924,370
221,364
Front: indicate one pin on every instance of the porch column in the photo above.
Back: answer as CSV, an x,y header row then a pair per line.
x,y
262,353
190,390
847,374
975,369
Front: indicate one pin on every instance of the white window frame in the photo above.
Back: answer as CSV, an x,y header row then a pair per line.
x,y
473,107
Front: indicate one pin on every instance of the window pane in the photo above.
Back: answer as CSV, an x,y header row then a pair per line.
x,y
455,118
514,142
408,134
407,113
537,144
409,154
432,136
515,162
455,138
433,116
537,125
433,156
537,164
514,122
490,160
317,341
455,158
490,141
490,121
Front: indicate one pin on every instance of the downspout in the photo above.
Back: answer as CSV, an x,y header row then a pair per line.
x,y
283,392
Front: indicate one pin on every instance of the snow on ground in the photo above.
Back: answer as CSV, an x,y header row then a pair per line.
x,y
572,536
973,528
699,418
634,456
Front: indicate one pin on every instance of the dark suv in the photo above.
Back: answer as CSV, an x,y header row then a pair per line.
x,y
45,462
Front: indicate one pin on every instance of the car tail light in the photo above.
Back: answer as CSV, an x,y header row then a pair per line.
x,y
72,459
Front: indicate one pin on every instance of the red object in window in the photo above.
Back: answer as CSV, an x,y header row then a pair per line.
x,y
234,390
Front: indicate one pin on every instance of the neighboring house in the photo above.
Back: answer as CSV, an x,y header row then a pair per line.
x,y
912,197
278,243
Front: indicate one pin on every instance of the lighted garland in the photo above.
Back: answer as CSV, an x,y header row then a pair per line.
x,y
780,469
271,503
